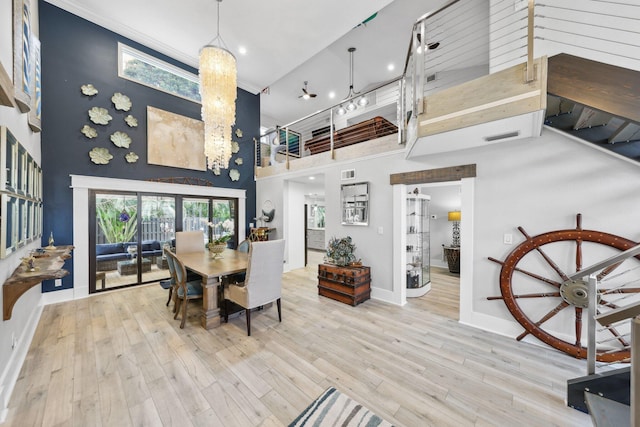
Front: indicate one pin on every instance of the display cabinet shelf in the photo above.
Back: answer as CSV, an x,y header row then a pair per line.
x,y
417,249
46,266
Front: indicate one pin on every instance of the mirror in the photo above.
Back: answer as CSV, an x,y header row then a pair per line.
x,y
355,203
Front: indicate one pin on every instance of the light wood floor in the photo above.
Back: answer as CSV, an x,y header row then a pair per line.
x,y
119,359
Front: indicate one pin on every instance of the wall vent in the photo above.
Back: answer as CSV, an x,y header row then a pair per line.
x,y
502,136
431,78
348,174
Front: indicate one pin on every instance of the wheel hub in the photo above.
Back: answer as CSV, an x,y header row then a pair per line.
x,y
575,292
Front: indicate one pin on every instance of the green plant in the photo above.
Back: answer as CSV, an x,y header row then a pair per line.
x,y
117,225
340,251
222,239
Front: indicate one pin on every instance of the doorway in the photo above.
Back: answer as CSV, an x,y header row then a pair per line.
x,y
131,231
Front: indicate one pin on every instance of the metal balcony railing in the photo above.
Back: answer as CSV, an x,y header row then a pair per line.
x,y
438,57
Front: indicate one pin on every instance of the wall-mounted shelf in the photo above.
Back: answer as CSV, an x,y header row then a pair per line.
x,y
47,266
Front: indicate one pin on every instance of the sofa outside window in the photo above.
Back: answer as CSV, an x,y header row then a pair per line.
x,y
108,254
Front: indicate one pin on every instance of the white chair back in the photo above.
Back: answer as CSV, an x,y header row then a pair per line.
x,y
264,272
189,242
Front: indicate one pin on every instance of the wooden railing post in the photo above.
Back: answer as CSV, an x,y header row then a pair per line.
x,y
531,75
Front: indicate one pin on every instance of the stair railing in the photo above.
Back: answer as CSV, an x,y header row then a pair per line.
x,y
630,311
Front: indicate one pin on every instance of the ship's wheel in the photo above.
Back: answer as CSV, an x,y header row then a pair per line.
x,y
535,286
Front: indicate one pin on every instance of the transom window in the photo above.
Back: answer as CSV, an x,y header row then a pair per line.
x,y
152,72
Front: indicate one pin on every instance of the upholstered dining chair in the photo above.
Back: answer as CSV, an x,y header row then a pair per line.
x,y
244,246
184,290
189,241
238,277
263,282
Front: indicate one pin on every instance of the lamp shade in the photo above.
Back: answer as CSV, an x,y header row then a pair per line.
x,y
454,216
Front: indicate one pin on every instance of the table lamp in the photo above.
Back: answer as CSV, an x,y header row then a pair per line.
x,y
454,216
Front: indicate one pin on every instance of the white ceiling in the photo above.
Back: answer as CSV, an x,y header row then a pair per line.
x,y
287,41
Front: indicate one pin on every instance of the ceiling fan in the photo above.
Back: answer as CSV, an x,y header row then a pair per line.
x,y
305,93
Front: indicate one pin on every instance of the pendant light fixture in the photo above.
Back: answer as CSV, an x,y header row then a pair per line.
x,y
218,88
351,104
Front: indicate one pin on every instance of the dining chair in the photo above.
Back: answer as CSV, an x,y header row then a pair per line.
x,y
238,277
189,242
184,290
170,283
263,281
244,246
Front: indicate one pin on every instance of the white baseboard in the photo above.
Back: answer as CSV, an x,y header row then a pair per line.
x,y
55,297
11,371
384,295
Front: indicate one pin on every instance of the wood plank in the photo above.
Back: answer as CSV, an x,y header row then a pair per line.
x,y
47,266
453,173
605,87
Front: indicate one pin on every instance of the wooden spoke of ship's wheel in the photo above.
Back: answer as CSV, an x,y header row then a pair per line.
x,y
572,293
553,283
604,273
540,295
613,331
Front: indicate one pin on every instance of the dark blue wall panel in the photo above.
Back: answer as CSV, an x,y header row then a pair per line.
x,y
77,52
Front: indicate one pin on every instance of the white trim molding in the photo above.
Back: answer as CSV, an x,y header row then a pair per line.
x,y
81,186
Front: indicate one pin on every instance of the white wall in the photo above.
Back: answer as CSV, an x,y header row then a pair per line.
x,y
538,183
294,217
593,29
26,311
445,197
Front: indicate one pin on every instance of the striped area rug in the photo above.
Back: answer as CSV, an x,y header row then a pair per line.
x,y
333,408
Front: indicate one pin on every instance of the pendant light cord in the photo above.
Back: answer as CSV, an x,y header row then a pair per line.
x,y
352,92
218,37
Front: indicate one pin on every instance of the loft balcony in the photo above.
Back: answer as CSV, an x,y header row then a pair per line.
x,y
458,92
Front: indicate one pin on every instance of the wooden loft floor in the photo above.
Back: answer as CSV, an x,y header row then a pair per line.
x,y
119,359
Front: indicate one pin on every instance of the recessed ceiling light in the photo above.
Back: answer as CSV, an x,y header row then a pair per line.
x,y
391,67
242,50
332,95
312,177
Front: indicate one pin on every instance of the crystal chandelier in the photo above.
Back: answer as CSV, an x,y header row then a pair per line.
x,y
218,88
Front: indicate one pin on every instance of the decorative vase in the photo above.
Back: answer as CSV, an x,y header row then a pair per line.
x,y
216,249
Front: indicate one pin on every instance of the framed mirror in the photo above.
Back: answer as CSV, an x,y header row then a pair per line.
x,y
355,203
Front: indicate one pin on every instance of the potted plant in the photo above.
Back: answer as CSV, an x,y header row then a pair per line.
x,y
341,252
217,244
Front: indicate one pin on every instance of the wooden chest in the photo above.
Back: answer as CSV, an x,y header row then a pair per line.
x,y
350,285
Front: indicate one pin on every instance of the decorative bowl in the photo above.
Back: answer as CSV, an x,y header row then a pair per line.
x,y
217,249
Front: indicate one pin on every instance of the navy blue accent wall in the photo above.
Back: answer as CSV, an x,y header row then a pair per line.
x,y
77,52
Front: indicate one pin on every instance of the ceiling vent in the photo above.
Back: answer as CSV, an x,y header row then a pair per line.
x,y
348,174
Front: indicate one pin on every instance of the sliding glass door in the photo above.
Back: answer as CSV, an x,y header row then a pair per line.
x,y
158,230
214,217
130,231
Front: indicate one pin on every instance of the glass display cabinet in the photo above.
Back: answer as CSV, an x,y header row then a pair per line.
x,y
417,245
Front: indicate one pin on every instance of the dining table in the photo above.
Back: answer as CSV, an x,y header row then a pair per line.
x,y
213,269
